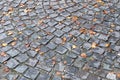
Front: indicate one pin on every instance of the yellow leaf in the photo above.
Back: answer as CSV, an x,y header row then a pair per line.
x,y
74,46
10,33
13,43
27,10
107,45
42,53
4,44
94,45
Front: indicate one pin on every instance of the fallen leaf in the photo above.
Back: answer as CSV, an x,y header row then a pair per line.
x,y
65,62
53,58
60,9
9,33
42,53
99,0
86,67
74,18
94,20
27,10
4,44
118,75
37,49
10,9
94,45
21,5
91,32
83,55
6,69
27,45
68,17
105,12
13,43
40,21
74,46
95,5
107,45
14,38
3,54
64,39
58,73
83,30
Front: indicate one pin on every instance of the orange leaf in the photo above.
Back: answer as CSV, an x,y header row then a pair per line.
x,y
83,30
118,75
3,54
74,18
83,55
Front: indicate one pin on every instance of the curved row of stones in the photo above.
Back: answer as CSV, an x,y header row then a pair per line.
x,y
39,41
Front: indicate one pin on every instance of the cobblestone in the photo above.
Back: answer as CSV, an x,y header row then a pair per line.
x,y
45,39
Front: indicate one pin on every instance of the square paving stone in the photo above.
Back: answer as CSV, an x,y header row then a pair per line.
x,y
31,73
22,57
12,63
2,36
22,78
78,63
58,33
13,52
95,64
99,50
59,18
75,33
43,77
32,62
11,76
59,26
87,46
82,74
42,65
92,77
103,37
21,68
61,50
51,45
31,53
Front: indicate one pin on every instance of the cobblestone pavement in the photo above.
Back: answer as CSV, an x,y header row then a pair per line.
x,y
59,40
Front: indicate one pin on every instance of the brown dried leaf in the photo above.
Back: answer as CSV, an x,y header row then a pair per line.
x,y
74,18
83,30
6,69
91,32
